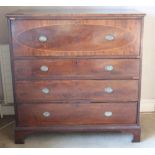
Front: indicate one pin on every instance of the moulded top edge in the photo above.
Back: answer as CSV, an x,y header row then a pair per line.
x,y
76,12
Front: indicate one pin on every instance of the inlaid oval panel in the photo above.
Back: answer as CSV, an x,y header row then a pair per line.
x,y
72,37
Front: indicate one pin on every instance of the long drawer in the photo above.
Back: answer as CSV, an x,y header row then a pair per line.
x,y
76,37
77,68
93,90
76,114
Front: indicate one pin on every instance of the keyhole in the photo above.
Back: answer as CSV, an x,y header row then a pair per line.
x,y
76,62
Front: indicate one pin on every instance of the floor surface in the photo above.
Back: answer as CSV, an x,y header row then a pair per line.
x,y
80,140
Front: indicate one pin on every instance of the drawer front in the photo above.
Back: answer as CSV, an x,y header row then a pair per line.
x,y
77,68
76,114
93,90
76,37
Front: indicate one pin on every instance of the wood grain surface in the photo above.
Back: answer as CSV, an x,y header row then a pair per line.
x,y
76,114
91,90
77,69
76,37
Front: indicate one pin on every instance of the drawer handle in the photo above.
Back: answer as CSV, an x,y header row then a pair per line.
x,y
46,114
108,114
109,68
45,90
109,37
108,90
44,68
42,38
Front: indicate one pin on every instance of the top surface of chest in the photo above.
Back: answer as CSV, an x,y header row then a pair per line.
x,y
76,12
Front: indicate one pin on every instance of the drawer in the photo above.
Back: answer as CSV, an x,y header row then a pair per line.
x,y
91,90
77,68
76,37
76,114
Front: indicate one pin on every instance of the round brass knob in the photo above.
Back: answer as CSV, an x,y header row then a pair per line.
x,y
42,38
44,68
46,114
45,90
109,37
109,68
108,90
108,114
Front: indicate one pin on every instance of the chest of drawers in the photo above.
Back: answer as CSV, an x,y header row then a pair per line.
x,y
76,70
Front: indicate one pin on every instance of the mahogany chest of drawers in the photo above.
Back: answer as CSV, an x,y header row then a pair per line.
x,y
76,70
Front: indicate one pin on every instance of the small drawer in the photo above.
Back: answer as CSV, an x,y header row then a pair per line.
x,y
92,90
77,69
76,114
76,37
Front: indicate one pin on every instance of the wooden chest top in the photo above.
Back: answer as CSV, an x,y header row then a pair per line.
x,y
76,13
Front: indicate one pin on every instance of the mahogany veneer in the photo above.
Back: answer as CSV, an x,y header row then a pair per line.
x,y
90,90
76,114
76,69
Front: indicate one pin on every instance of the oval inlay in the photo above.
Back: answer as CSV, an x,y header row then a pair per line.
x,y
75,37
